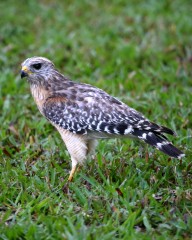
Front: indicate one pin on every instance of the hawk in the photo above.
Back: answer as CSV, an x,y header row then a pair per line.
x,y
82,113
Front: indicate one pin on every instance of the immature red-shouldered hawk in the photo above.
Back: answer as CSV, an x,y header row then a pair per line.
x,y
83,114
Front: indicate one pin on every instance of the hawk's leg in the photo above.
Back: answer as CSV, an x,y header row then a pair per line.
x,y
72,172
91,145
77,148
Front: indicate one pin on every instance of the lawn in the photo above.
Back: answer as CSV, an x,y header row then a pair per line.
x,y
138,51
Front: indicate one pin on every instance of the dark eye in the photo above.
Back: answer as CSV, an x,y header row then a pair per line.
x,y
37,66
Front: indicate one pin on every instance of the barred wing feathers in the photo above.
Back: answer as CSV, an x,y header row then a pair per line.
x,y
93,112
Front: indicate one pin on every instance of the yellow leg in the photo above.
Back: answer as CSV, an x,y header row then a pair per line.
x,y
73,170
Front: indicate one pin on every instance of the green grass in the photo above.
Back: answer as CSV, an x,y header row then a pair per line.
x,y
139,51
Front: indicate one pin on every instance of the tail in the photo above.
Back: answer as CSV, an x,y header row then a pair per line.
x,y
159,141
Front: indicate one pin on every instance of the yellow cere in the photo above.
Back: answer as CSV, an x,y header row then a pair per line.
x,y
26,69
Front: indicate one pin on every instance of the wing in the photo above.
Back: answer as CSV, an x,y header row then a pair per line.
x,y
84,109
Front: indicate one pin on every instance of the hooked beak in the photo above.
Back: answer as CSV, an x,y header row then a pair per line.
x,y
25,72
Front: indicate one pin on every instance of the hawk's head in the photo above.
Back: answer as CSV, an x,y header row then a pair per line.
x,y
37,69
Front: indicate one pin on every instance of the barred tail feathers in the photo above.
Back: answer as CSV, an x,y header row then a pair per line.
x,y
160,142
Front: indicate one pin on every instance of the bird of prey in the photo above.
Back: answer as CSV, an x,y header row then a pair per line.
x,y
82,113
